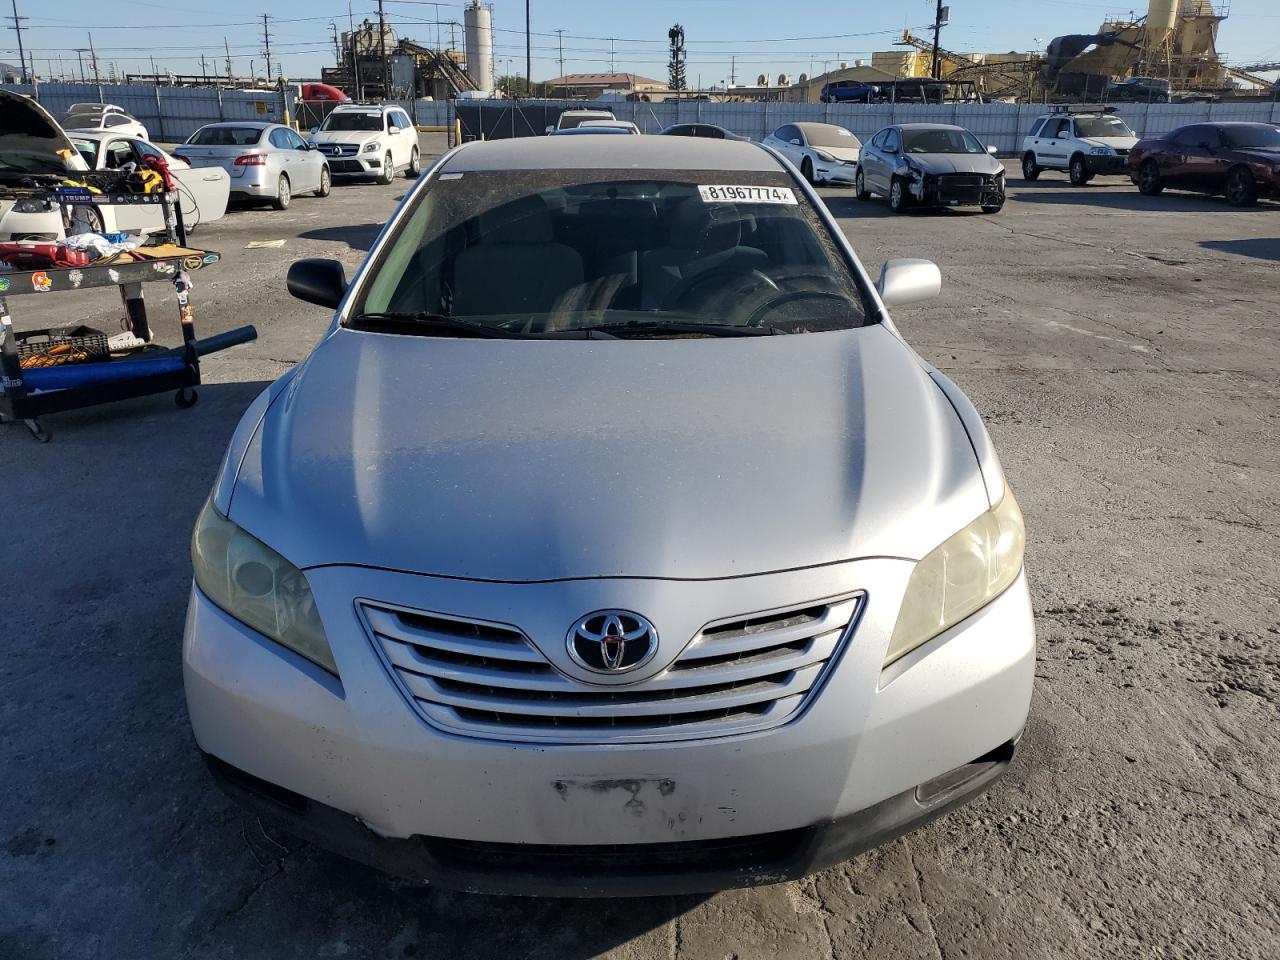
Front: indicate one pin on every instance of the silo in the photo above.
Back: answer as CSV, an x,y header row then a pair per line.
x,y
1162,17
478,21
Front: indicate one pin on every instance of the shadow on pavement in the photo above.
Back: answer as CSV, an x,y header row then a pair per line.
x,y
358,236
1024,192
1261,248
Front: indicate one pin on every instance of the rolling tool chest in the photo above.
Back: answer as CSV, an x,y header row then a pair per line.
x,y
65,368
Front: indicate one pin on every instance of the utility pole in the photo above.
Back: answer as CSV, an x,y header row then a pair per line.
x,y
266,40
154,75
733,70
204,72
80,57
560,33
528,46
382,47
337,46
17,27
939,19
93,59
612,67
227,47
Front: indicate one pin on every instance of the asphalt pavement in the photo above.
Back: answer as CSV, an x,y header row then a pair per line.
x,y
1123,350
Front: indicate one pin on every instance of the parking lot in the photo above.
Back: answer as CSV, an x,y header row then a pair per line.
x,y
1123,350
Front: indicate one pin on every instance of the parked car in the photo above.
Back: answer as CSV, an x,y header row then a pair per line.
x,y
848,91
202,193
265,161
1139,89
106,117
708,131
572,118
626,126
585,131
484,593
1240,161
1083,142
370,141
822,152
930,165
31,144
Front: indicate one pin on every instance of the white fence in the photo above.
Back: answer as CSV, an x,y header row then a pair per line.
x,y
172,114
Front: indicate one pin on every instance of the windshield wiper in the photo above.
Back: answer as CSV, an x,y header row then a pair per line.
x,y
429,324
657,327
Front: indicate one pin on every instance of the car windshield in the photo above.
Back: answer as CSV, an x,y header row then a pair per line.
x,y
1266,137
87,149
625,252
568,121
352,121
1102,127
940,141
226,136
825,135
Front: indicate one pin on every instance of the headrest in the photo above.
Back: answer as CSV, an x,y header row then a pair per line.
x,y
697,225
522,221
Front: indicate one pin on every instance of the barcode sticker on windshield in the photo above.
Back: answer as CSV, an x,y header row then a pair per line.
x,y
732,194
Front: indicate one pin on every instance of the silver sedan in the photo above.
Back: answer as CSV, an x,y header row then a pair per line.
x,y
267,161
610,542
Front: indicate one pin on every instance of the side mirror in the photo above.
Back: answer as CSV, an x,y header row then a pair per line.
x,y
991,149
902,282
314,129
794,142
322,282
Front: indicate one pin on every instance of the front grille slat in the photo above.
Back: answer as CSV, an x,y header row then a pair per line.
x,y
490,680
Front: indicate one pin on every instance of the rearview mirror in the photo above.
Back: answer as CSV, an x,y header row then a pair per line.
x,y
318,281
991,149
906,281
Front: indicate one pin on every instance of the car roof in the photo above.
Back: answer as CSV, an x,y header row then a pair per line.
x,y
588,131
254,124
609,153
809,125
927,126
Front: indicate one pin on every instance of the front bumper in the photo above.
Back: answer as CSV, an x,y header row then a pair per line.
x,y
1106,165
835,172
958,190
360,165
355,751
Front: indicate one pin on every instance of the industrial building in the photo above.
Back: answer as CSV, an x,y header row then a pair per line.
x,y
588,86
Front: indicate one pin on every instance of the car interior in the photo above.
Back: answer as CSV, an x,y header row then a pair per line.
x,y
554,256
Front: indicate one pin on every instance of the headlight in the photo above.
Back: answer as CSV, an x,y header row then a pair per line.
x,y
1100,151
960,577
257,586
30,206
372,147
824,156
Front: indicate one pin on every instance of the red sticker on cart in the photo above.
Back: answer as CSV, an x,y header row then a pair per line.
x,y
40,280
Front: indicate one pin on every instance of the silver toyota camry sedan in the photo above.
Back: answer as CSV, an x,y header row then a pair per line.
x,y
612,541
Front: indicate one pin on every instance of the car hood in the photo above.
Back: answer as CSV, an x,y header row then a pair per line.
x,y
522,460
848,154
28,130
1116,143
939,163
323,137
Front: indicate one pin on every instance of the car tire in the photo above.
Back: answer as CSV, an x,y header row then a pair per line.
x,y
326,182
415,166
93,219
993,208
284,193
860,186
898,199
388,171
1149,182
806,171
1242,188
1030,169
1078,171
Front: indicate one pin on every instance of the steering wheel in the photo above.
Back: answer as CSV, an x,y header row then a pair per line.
x,y
791,296
683,289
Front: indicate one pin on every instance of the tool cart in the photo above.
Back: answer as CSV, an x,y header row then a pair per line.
x,y
49,371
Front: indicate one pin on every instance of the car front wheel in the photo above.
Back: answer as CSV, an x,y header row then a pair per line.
x,y
1079,171
898,196
388,171
1030,169
326,182
806,171
1149,181
860,187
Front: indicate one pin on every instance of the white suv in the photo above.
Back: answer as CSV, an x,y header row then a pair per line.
x,y
1083,142
369,140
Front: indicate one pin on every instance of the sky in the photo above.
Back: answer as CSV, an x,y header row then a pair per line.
x,y
742,38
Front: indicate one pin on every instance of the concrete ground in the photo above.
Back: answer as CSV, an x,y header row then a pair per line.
x,y
1124,352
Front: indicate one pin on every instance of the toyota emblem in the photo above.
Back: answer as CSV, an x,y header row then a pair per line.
x,y
612,641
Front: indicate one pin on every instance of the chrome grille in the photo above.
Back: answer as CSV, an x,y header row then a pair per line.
x,y
340,149
488,680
